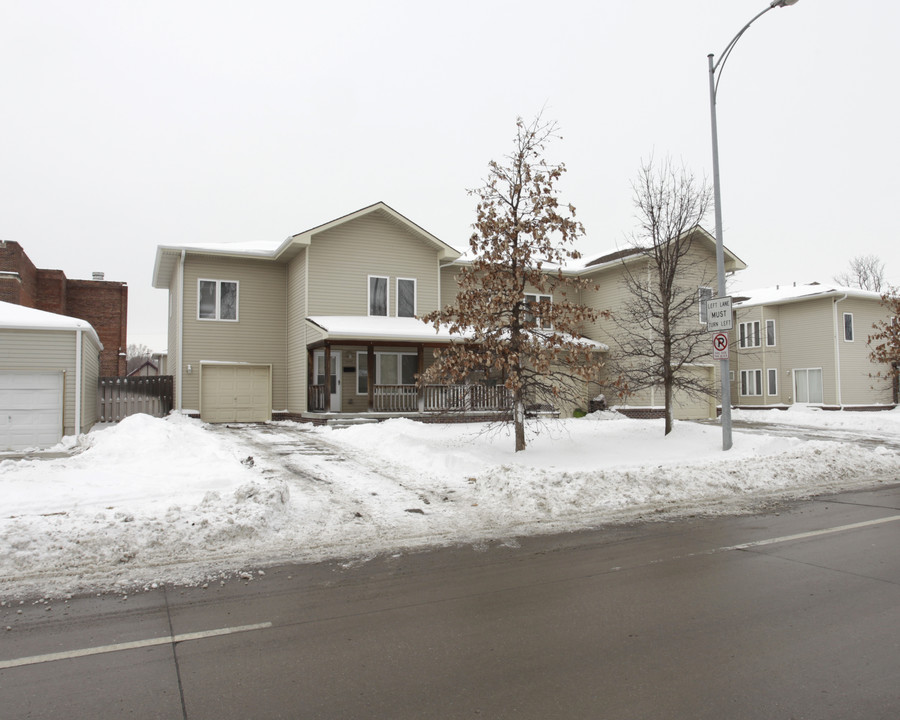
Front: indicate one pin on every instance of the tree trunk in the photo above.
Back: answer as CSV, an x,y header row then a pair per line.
x,y
670,409
519,419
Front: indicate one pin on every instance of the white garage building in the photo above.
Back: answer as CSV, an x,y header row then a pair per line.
x,y
49,367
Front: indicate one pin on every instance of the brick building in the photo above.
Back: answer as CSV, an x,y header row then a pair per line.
x,y
104,304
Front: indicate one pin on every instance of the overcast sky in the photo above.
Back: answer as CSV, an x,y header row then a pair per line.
x,y
128,125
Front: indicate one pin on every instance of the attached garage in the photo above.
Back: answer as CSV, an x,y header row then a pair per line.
x,y
690,406
235,392
49,367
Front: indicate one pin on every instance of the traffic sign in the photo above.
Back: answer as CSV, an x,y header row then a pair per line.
x,y
718,314
720,346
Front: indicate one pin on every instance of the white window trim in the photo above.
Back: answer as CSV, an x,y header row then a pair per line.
x,y
387,295
771,374
415,295
237,300
844,327
701,305
539,298
774,333
748,336
758,385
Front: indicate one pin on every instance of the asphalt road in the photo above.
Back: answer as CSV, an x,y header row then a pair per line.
x,y
791,614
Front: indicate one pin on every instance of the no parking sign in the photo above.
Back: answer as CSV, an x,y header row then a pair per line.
x,y
720,346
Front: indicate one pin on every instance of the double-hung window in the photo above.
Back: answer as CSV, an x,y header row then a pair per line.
x,y
748,333
378,295
751,382
772,387
704,294
406,297
217,300
533,313
770,333
848,327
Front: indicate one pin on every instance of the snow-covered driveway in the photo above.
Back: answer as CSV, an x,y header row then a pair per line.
x,y
173,500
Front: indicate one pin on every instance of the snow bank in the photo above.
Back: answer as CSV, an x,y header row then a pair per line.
x,y
150,501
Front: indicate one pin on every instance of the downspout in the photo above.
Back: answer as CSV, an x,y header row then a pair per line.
x,y
837,352
77,382
180,385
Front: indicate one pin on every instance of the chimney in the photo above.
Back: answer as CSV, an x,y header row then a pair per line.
x,y
98,276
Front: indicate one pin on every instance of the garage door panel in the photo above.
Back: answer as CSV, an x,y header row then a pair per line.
x,y
235,393
695,406
31,406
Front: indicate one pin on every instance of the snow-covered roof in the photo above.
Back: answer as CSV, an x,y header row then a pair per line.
x,y
19,317
401,329
781,294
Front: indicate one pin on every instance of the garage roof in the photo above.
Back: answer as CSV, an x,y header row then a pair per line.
x,y
19,317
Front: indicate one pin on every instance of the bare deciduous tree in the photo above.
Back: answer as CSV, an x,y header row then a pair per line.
x,y
866,272
521,232
659,330
136,354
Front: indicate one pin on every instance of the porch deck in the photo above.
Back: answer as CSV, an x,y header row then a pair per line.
x,y
408,400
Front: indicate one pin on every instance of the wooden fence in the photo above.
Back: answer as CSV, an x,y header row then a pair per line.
x,y
119,397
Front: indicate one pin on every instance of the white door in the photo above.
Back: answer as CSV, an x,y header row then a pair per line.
x,y
31,409
808,388
334,376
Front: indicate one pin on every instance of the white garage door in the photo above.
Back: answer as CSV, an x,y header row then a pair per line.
x,y
696,407
235,393
31,409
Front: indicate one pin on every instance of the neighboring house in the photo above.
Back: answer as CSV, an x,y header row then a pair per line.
x,y
102,303
49,369
326,321
148,368
698,277
806,344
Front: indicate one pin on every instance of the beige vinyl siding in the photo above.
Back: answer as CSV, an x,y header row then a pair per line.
x,y
297,334
90,375
44,351
260,334
173,362
858,384
342,258
763,358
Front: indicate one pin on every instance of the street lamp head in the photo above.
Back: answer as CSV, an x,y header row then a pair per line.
x,y
782,3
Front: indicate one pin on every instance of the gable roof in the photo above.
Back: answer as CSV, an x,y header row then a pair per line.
x,y
783,294
616,257
167,255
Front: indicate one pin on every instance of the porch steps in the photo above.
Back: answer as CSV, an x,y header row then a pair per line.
x,y
349,422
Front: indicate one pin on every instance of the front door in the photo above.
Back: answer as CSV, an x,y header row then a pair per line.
x,y
334,376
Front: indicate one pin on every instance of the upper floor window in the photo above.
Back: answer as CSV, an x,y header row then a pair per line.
x,y
704,294
770,333
406,297
848,327
378,295
217,300
748,334
533,312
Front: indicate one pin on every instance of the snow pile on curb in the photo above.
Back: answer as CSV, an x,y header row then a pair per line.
x,y
149,501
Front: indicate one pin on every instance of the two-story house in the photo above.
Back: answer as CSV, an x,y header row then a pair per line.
x,y
806,344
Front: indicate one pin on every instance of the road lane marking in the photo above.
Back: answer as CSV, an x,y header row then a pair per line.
x,y
118,647
812,533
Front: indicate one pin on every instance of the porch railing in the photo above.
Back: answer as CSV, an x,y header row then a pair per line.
x,y
317,398
396,398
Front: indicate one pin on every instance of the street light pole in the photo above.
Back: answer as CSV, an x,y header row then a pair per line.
x,y
715,73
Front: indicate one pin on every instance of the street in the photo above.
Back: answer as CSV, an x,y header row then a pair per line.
x,y
790,614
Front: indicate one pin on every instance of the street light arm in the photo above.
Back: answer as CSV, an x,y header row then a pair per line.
x,y
720,64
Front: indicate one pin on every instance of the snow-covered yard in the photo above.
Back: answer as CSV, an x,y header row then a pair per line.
x,y
150,501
